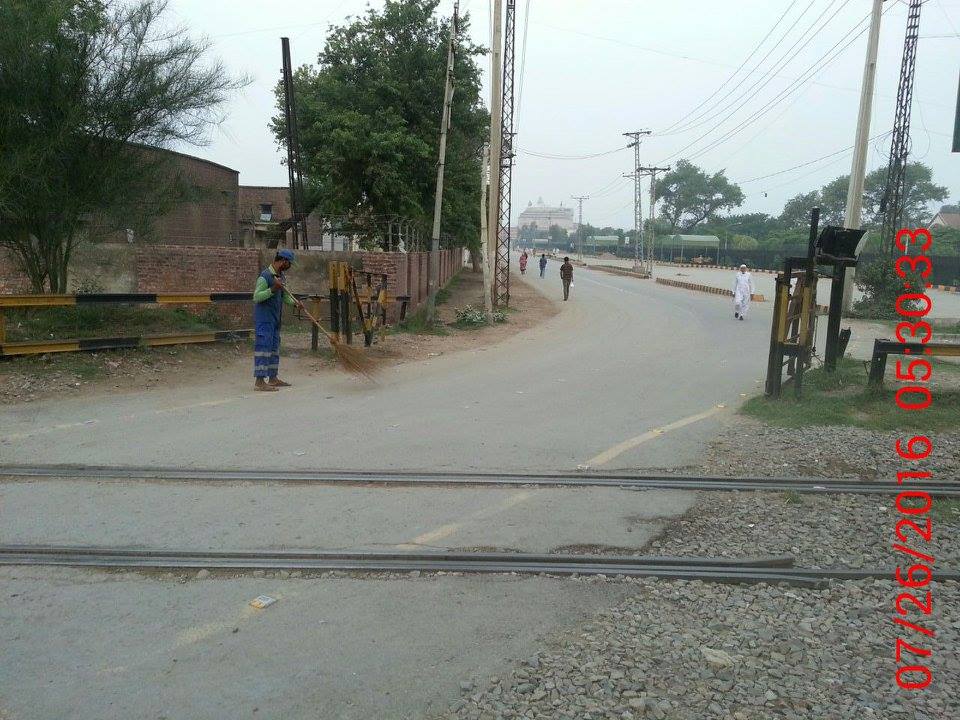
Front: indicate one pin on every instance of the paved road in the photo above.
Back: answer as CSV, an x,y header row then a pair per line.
x,y
594,385
623,358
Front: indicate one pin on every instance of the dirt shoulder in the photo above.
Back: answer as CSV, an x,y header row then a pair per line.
x,y
32,378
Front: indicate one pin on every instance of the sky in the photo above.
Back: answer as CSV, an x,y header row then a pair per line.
x,y
752,88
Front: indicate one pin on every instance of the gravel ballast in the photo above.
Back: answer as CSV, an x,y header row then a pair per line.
x,y
691,651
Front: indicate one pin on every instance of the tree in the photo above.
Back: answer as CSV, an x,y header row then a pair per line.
x,y
796,211
689,196
84,86
557,235
833,201
369,115
919,191
744,242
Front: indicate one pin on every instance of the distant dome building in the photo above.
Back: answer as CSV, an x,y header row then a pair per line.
x,y
545,216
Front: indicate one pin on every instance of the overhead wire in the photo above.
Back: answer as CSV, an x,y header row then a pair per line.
x,y
554,156
735,72
750,93
821,63
701,118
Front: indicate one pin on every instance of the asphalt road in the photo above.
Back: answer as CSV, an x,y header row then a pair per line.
x,y
628,374
622,359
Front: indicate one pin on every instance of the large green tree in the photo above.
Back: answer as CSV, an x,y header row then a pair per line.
x,y
689,196
919,193
369,121
84,86
796,212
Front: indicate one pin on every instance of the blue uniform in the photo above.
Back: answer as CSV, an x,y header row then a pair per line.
x,y
267,313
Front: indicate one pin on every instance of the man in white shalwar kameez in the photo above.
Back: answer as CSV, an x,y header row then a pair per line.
x,y
742,290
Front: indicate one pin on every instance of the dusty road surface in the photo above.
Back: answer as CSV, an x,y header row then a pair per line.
x,y
627,374
590,386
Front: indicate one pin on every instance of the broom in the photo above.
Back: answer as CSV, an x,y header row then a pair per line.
x,y
353,361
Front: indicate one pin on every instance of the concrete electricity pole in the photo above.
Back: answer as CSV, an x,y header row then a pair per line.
x,y
485,259
434,275
652,172
637,213
496,130
859,165
580,226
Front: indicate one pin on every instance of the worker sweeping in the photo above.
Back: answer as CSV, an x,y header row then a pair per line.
x,y
743,289
269,297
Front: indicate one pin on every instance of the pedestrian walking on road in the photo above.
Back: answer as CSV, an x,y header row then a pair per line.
x,y
566,276
743,289
543,265
523,263
269,297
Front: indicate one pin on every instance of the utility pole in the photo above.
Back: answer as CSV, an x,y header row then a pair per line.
x,y
496,136
580,225
294,165
637,212
434,258
858,167
652,172
484,250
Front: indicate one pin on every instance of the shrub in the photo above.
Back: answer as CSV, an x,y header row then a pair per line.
x,y
881,286
473,316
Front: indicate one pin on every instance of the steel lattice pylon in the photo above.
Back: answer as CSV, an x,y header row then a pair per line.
x,y
900,140
502,271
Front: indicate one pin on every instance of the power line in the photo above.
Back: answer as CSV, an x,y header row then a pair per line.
x,y
553,156
809,162
821,63
694,123
739,68
751,92
523,64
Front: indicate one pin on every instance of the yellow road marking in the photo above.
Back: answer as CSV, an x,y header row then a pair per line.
x,y
446,530
620,448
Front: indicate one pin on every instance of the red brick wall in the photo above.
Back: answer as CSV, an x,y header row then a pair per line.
x,y
251,196
407,273
180,268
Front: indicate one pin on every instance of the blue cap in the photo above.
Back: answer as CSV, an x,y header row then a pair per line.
x,y
287,255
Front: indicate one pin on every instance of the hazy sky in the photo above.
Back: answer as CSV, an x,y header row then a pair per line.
x,y
595,69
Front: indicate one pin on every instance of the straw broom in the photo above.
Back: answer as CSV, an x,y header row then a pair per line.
x,y
353,361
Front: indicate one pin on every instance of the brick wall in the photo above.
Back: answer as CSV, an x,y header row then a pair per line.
x,y
171,268
408,274
251,197
204,268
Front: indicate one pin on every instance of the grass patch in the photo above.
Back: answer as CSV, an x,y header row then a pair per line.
x,y
946,510
419,324
61,323
471,318
842,398
792,497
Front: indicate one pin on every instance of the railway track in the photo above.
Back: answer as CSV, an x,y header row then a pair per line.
x,y
354,477
775,569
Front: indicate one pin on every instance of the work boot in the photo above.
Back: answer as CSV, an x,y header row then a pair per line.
x,y
277,382
263,386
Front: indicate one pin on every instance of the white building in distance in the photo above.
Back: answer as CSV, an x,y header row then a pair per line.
x,y
545,216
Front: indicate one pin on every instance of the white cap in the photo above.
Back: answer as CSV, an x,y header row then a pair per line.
x,y
742,267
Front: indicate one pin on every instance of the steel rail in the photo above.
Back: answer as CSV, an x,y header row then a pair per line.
x,y
637,482
723,570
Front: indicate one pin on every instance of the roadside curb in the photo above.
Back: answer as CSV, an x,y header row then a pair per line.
x,y
756,297
943,288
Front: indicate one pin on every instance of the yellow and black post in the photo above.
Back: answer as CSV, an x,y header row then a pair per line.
x,y
343,285
333,278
